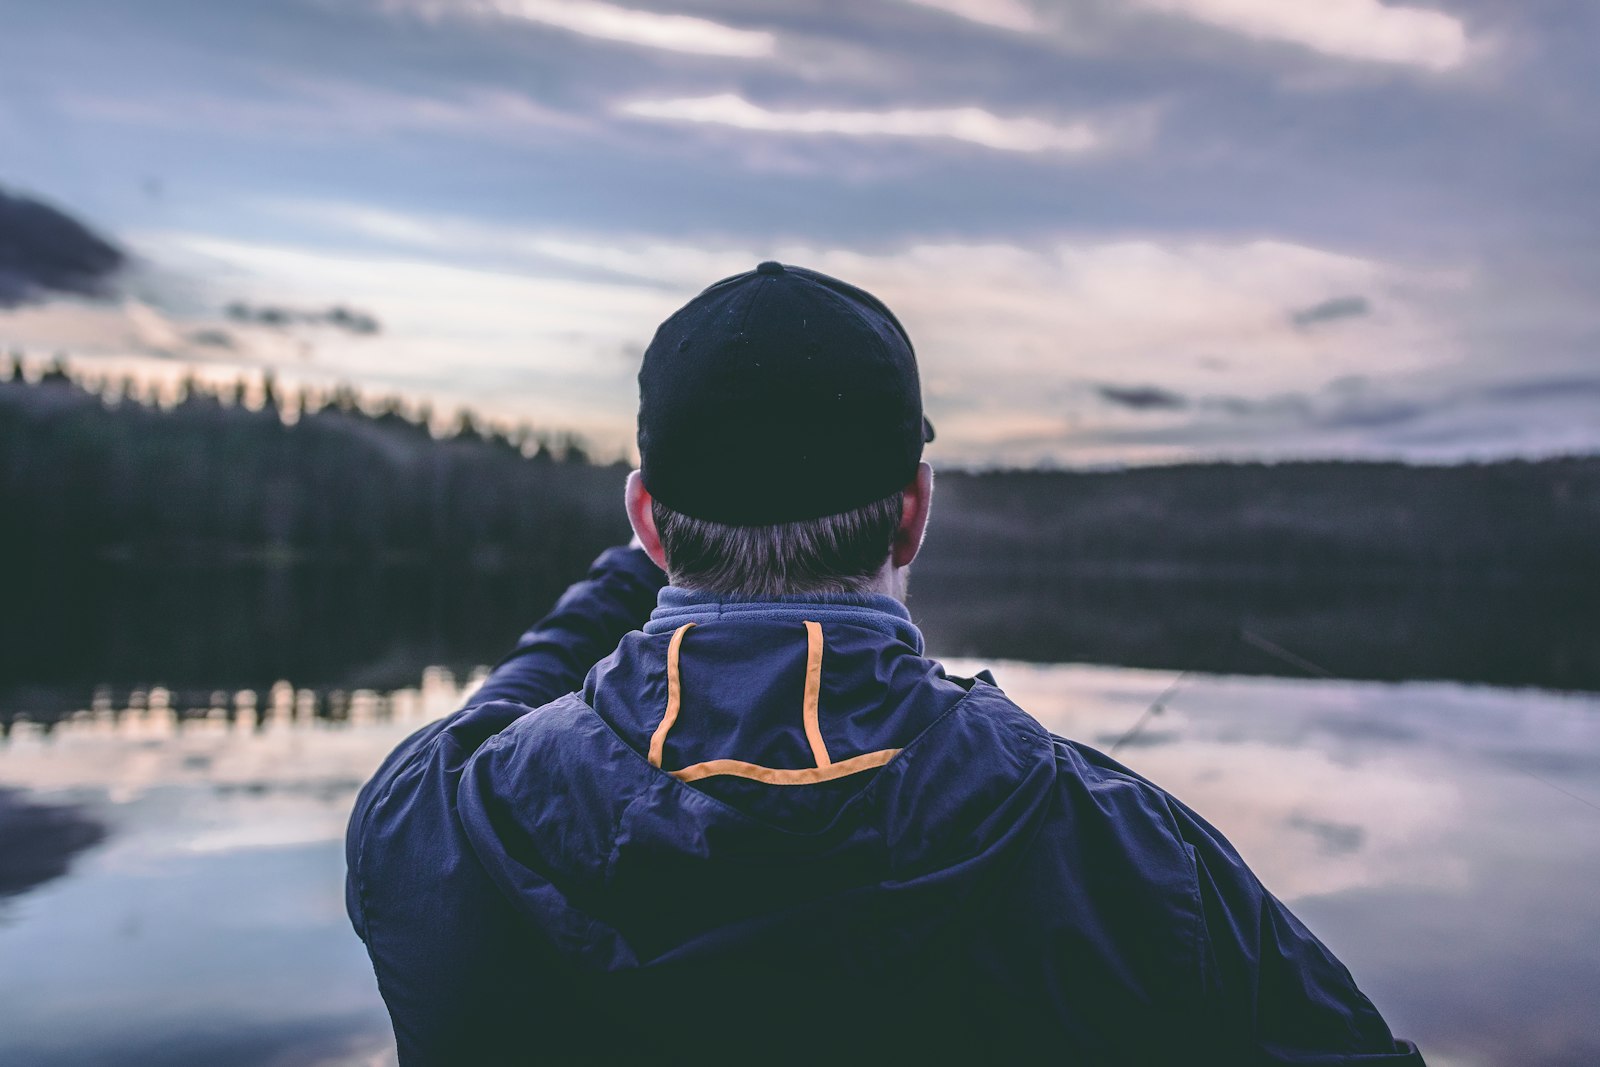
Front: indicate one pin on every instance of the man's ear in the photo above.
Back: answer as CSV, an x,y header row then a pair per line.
x,y
918,498
636,498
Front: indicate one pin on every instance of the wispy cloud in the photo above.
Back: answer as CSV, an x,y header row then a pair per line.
x,y
610,22
1073,348
1142,397
1004,14
971,124
128,328
321,109
1350,29
1066,336
1339,307
539,343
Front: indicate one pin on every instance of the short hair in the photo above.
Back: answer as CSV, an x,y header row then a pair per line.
x,y
840,553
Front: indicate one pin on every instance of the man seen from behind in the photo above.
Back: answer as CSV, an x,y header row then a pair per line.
x,y
719,804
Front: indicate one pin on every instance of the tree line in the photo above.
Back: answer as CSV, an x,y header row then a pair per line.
x,y
236,535
240,475
1510,520
99,471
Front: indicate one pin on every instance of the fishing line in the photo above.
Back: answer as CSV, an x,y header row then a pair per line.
x,y
1271,648
1281,653
1159,704
1257,641
1557,788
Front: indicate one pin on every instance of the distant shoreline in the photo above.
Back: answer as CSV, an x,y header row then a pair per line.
x,y
215,544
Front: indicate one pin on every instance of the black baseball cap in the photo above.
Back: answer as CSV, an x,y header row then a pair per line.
x,y
778,395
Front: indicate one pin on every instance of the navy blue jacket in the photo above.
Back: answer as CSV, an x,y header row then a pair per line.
x,y
778,832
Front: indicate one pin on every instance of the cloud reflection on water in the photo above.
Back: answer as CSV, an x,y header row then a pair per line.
x,y
1395,818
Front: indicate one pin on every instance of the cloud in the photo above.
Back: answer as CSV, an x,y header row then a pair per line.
x,y
1428,417
517,341
1057,310
1542,388
150,330
1008,334
128,328
1349,29
46,252
970,124
503,214
339,317
330,111
609,22
1339,307
1030,352
1333,838
1142,397
1002,14
212,337
1372,413
1279,406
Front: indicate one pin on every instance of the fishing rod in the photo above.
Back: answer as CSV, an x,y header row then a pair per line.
x,y
1294,659
1159,704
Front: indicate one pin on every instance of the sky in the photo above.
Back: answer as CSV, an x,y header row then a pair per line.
x,y
1117,232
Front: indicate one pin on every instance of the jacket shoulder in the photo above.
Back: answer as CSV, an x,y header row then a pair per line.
x,y
1107,827
1089,784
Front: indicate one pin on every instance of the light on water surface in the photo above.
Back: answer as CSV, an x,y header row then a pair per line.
x,y
1439,837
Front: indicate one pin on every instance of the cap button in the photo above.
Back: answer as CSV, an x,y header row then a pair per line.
x,y
771,266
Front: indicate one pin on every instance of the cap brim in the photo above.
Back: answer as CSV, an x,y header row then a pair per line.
x,y
927,430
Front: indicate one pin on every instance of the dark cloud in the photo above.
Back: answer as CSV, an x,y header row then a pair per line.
x,y
338,317
1333,838
1281,405
1142,397
1541,388
1372,413
213,338
1347,403
44,252
1340,307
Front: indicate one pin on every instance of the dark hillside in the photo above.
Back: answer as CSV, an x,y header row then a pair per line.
x,y
1514,520
340,542
211,540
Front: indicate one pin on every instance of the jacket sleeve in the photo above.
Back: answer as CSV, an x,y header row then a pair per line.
x,y
1273,993
454,965
552,658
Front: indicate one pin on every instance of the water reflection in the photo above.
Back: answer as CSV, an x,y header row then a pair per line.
x,y
1513,633
39,841
209,927
350,628
1429,832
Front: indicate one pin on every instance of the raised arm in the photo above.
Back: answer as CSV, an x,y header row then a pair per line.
x,y
548,661
452,961
552,658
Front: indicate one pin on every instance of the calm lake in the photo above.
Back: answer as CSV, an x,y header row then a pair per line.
x,y
173,889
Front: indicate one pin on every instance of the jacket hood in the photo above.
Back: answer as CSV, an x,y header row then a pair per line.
x,y
624,864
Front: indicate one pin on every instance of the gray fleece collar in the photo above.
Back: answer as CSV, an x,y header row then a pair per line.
x,y
676,606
